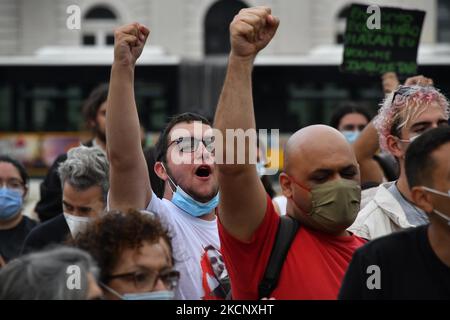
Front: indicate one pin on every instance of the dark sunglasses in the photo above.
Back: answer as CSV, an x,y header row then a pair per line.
x,y
190,144
401,91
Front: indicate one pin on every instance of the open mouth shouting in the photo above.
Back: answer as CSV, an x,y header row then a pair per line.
x,y
203,172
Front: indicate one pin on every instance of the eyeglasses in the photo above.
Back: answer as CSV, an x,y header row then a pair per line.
x,y
190,144
353,127
147,279
14,184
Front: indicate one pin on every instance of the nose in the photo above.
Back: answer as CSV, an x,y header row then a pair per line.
x,y
203,153
160,286
335,176
435,125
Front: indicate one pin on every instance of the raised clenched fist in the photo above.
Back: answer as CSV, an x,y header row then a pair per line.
x,y
251,30
419,81
129,42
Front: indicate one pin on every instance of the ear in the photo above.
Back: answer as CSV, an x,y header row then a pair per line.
x,y
160,171
395,146
286,185
25,193
92,124
422,199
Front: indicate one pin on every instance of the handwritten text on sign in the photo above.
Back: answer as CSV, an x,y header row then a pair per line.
x,y
392,47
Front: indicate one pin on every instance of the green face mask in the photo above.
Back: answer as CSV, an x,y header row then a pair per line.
x,y
335,204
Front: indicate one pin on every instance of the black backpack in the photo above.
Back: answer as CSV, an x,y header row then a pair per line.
x,y
287,229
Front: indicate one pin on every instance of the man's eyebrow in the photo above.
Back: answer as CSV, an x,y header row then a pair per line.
x,y
349,167
422,123
321,171
66,203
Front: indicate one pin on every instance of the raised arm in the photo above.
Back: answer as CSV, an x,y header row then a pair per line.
x,y
367,144
242,195
129,179
365,147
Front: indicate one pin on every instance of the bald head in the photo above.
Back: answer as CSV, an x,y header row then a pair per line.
x,y
315,143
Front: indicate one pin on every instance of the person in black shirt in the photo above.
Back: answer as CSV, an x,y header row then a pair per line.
x,y
415,263
14,226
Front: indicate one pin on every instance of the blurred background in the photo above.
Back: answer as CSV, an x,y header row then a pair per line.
x,y
47,70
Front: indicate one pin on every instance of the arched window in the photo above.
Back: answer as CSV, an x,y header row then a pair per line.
x,y
100,12
98,25
217,22
443,21
340,24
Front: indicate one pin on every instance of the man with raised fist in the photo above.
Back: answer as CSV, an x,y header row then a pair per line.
x,y
191,189
320,181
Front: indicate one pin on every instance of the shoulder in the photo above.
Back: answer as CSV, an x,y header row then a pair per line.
x,y
51,225
61,158
392,245
29,223
265,233
366,217
53,230
373,210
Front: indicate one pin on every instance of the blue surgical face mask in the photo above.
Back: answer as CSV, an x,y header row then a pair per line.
x,y
351,136
11,202
188,204
153,295
195,208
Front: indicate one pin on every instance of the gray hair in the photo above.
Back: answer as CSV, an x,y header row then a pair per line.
x,y
45,275
84,168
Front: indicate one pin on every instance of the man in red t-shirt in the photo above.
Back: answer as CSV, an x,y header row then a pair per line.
x,y
320,181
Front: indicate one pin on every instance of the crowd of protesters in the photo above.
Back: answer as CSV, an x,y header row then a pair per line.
x,y
364,209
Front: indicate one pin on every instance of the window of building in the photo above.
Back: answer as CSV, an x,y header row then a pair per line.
x,y
217,22
99,23
443,21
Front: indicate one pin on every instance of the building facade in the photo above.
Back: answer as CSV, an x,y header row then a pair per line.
x,y
190,28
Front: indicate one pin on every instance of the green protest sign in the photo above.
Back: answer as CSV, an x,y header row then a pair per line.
x,y
382,40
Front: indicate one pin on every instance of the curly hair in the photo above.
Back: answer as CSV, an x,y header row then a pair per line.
x,y
107,237
404,104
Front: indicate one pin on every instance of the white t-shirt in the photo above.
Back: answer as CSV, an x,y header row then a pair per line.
x,y
190,237
281,201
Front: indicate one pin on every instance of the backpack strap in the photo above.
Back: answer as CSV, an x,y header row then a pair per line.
x,y
287,229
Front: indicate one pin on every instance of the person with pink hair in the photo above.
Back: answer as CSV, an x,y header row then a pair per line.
x,y
405,114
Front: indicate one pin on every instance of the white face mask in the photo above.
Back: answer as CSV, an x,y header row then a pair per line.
x,y
76,224
441,214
